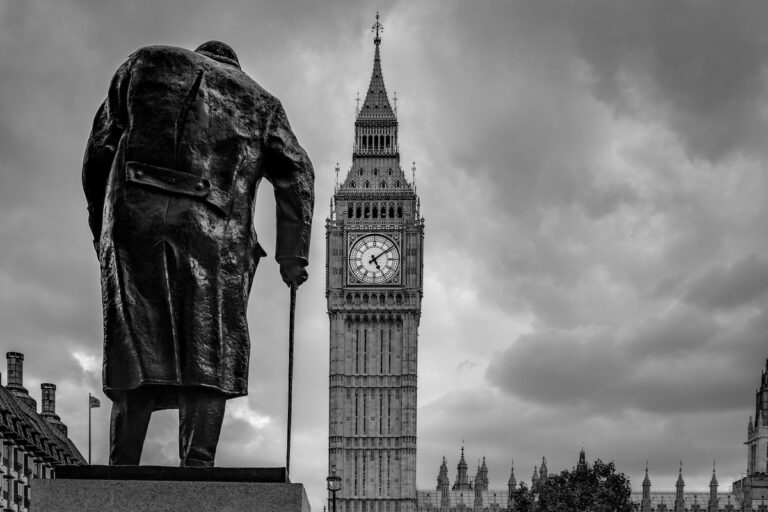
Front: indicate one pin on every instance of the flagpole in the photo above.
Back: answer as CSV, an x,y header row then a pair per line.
x,y
89,428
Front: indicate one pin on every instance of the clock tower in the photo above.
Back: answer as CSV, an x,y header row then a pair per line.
x,y
374,254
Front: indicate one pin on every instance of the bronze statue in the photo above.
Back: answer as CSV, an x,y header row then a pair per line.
x,y
170,174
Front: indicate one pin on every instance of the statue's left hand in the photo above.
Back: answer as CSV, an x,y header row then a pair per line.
x,y
293,272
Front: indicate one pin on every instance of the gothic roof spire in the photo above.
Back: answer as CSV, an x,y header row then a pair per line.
x,y
646,480
376,105
713,481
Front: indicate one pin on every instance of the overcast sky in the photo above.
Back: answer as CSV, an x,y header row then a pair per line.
x,y
593,178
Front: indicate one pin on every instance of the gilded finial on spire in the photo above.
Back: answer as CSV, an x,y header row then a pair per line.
x,y
377,28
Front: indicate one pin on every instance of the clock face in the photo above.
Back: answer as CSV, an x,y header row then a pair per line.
x,y
374,259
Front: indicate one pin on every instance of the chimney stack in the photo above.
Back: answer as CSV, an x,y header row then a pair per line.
x,y
15,382
49,407
15,370
49,399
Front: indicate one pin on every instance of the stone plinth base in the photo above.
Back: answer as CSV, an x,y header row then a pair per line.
x,y
161,494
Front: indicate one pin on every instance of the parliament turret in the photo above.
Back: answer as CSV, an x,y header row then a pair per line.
x,y
443,485
478,505
680,489
462,479
511,486
714,502
645,503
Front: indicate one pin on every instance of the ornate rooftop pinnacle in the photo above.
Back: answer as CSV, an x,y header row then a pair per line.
x,y
646,480
713,481
680,480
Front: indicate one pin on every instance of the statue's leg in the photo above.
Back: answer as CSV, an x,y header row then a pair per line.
x,y
201,412
131,411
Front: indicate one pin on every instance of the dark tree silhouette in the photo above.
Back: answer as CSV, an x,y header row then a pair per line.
x,y
584,489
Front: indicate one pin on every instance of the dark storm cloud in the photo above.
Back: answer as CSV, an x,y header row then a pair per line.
x,y
703,63
728,287
677,363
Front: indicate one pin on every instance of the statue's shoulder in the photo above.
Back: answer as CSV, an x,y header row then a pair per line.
x,y
145,60
160,52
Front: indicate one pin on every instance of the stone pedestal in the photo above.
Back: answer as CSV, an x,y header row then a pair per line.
x,y
158,489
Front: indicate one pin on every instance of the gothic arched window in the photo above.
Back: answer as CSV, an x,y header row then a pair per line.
x,y
375,213
383,184
352,184
358,212
397,184
367,211
367,184
391,211
349,212
361,171
399,211
383,211
375,172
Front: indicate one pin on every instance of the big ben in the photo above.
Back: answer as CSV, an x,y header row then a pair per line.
x,y
374,284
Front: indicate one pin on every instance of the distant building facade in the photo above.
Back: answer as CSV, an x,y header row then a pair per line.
x,y
31,442
748,493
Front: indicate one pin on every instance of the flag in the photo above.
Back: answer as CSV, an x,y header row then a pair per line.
x,y
93,401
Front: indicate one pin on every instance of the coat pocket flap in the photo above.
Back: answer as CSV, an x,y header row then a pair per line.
x,y
177,182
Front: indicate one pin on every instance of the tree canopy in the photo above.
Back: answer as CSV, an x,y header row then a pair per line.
x,y
596,488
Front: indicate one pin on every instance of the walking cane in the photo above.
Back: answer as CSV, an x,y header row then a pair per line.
x,y
290,378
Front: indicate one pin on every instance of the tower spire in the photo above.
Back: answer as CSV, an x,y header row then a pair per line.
x,y
376,104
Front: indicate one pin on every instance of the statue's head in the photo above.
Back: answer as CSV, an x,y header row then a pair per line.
x,y
219,51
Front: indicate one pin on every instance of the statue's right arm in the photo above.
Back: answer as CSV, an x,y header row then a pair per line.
x,y
108,127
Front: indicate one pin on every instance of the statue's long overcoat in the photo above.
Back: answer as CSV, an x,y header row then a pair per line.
x,y
171,169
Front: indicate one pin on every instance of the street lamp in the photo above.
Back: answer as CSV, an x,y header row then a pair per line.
x,y
334,485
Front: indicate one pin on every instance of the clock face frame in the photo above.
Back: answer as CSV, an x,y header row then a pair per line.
x,y
374,259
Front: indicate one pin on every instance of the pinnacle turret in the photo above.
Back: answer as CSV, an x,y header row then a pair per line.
x,y
543,471
442,476
679,496
462,478
582,460
645,503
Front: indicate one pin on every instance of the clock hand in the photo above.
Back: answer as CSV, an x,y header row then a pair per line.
x,y
380,254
